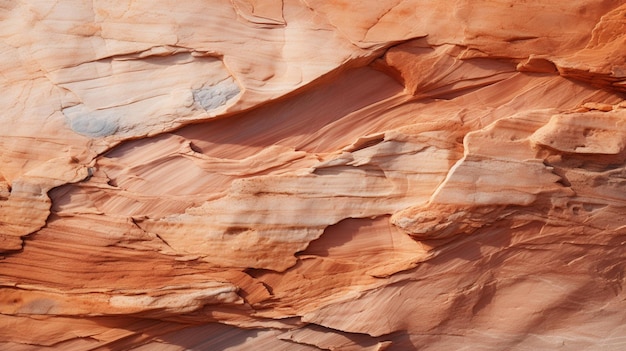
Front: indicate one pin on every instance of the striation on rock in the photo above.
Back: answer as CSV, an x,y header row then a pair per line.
x,y
312,174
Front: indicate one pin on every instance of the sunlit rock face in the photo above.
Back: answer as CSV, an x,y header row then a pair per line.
x,y
313,175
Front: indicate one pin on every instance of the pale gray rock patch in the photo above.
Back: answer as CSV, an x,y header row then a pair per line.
x,y
91,123
217,95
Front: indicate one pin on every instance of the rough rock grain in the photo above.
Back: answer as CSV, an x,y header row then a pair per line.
x,y
312,175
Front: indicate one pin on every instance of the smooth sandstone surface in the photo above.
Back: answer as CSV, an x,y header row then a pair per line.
x,y
312,175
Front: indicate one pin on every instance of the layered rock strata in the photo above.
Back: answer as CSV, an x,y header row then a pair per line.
x,y
312,175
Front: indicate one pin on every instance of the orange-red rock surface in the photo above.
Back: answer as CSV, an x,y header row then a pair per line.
x,y
313,175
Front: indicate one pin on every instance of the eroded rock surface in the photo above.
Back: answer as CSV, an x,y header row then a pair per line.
x,y
313,175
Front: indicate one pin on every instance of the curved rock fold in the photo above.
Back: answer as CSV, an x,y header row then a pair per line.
x,y
312,175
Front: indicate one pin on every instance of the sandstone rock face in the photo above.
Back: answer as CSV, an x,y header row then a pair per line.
x,y
313,175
